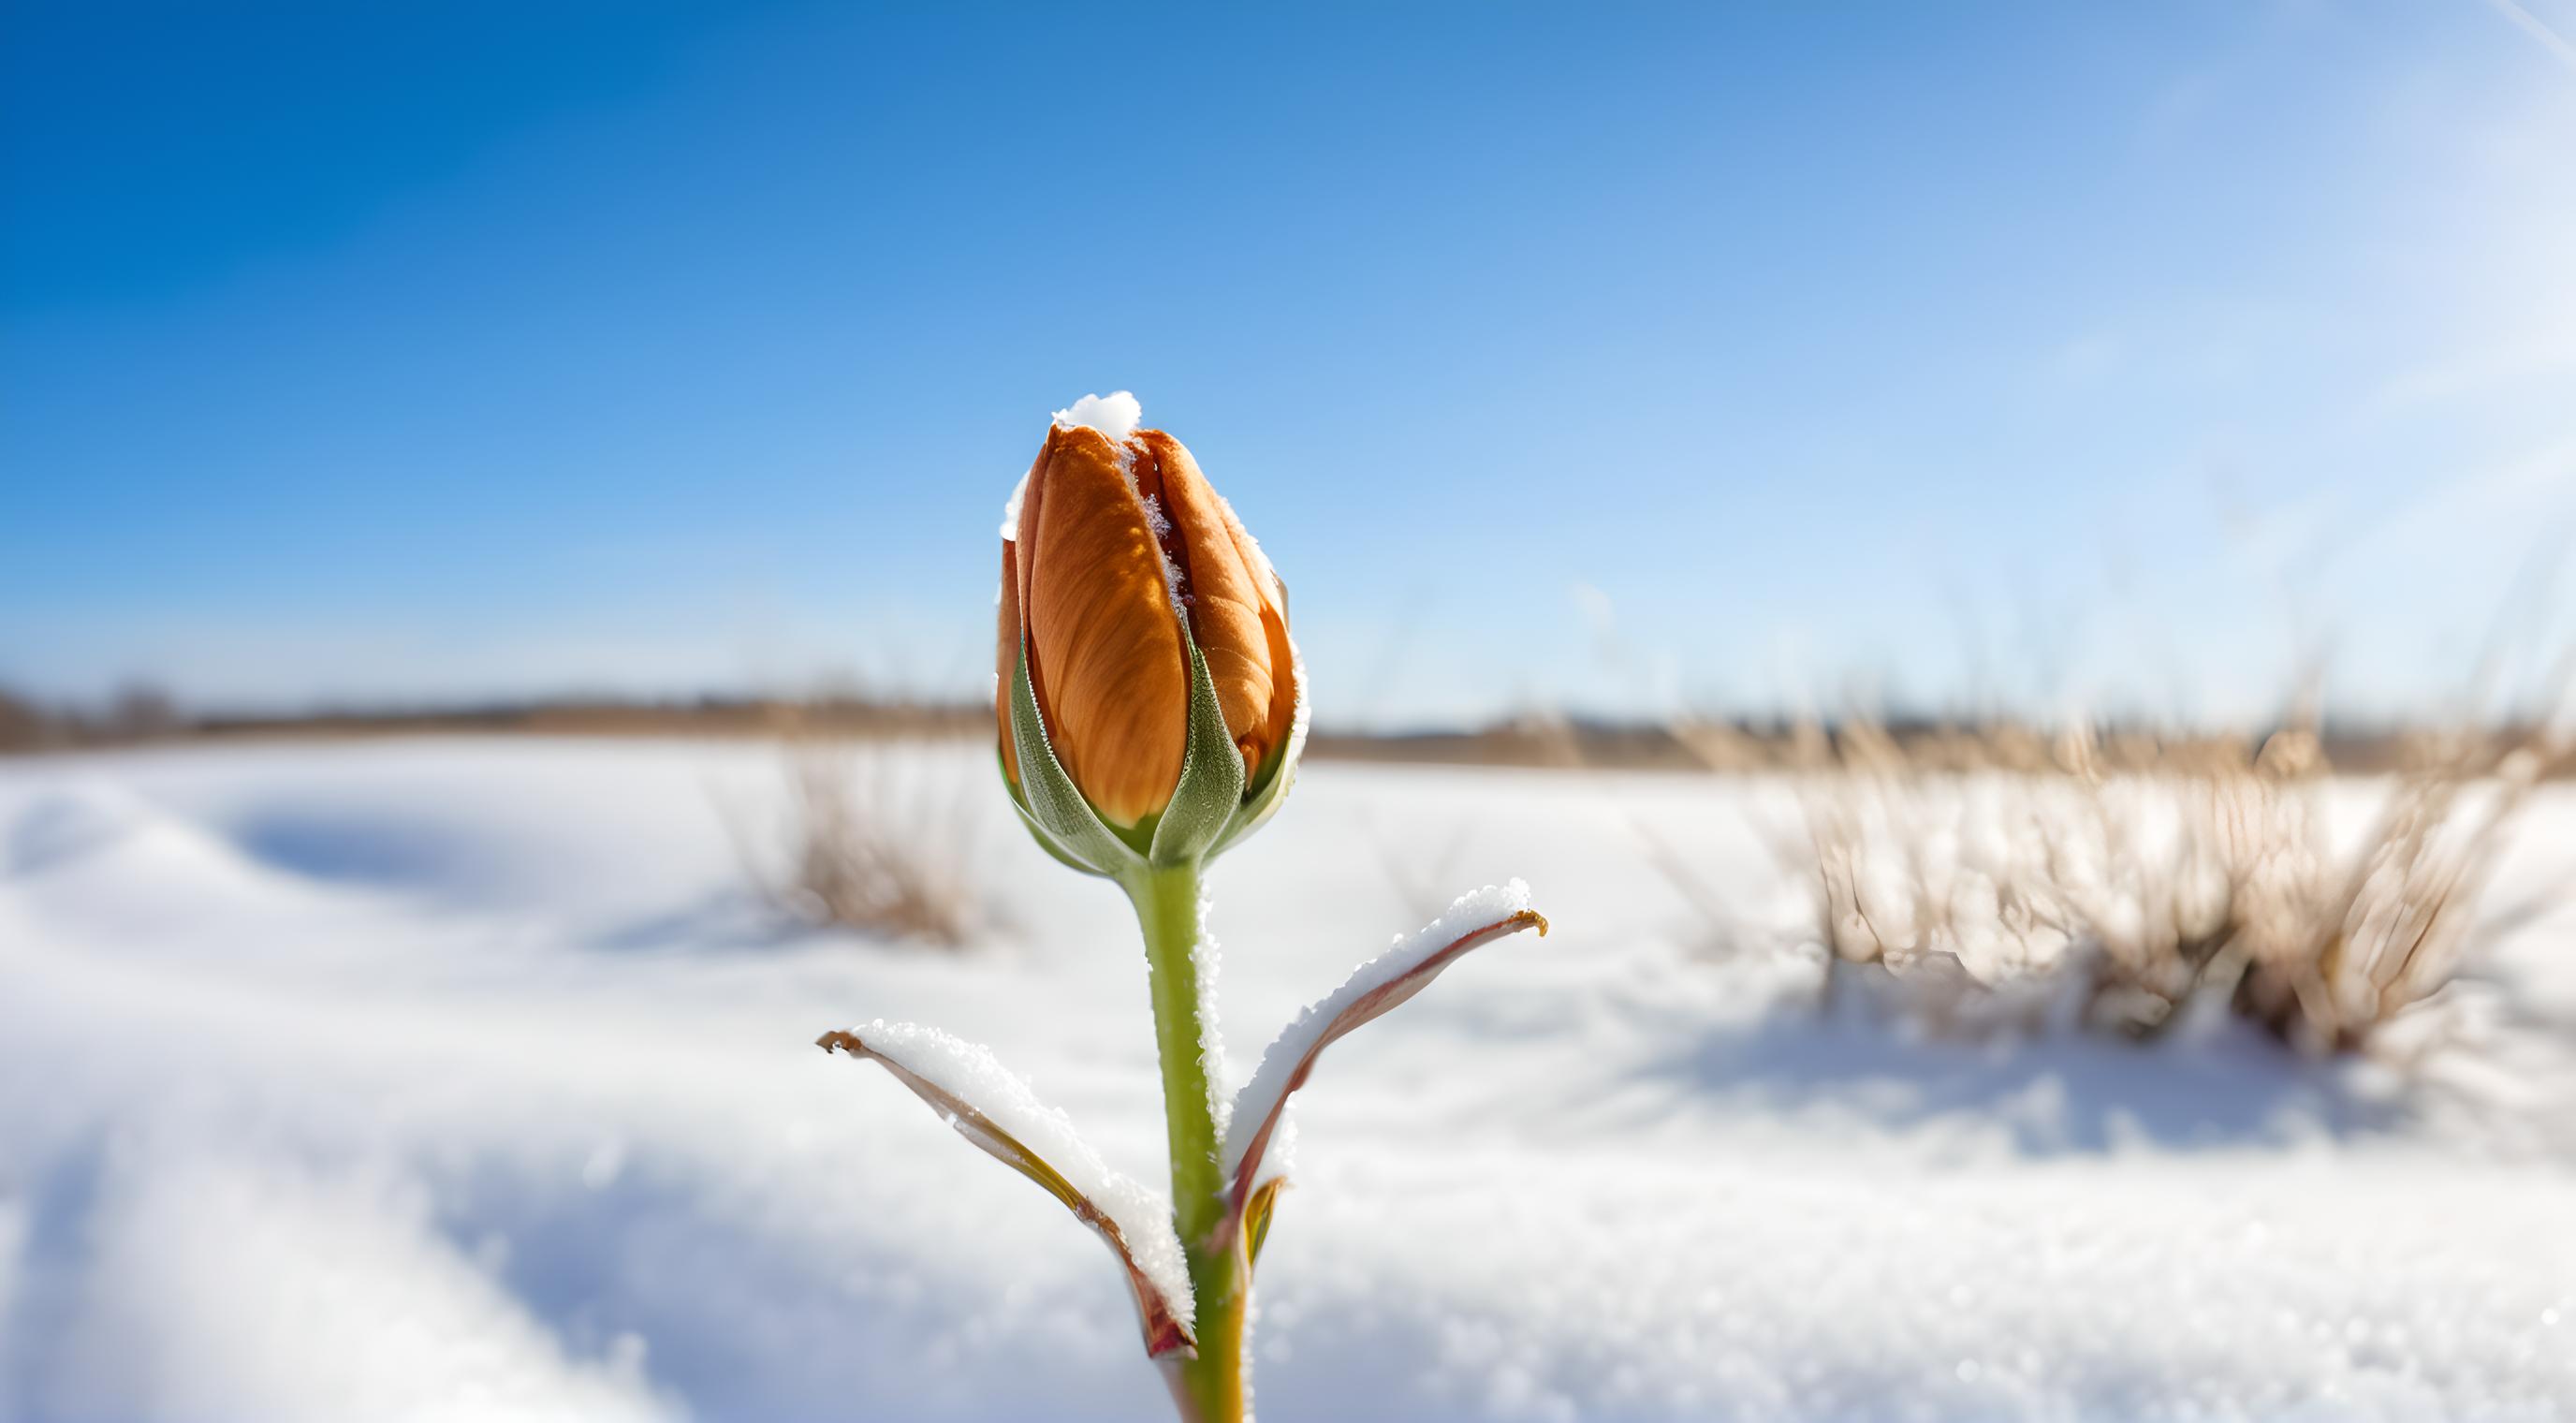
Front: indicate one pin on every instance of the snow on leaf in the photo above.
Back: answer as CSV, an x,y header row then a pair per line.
x,y
993,1107
1373,989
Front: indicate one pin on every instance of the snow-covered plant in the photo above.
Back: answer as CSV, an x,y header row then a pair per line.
x,y
1151,708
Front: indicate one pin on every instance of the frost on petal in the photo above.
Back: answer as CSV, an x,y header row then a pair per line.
x,y
1372,989
993,1107
1161,524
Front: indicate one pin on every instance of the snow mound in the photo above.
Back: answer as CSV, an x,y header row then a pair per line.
x,y
224,1287
13,1244
101,852
66,826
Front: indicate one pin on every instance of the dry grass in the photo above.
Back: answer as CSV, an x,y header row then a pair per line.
x,y
2392,922
869,837
2113,897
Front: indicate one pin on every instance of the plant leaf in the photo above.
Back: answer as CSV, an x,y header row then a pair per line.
x,y
996,1111
1256,1217
1372,990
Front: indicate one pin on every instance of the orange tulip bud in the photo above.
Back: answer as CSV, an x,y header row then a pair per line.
x,y
1116,544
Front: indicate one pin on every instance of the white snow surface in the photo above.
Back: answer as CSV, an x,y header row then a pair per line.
x,y
463,1078
973,1075
1261,1095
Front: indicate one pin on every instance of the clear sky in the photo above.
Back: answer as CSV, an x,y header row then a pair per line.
x,y
1616,357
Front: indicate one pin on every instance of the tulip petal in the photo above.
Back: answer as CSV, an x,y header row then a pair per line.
x,y
1287,694
1229,597
1104,645
1373,989
1129,1219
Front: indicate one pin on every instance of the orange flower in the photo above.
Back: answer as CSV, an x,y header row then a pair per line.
x,y
1116,541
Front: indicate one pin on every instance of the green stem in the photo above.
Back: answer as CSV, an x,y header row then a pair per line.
x,y
1211,1386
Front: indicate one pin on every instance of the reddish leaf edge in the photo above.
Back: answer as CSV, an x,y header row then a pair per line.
x,y
1376,1003
1165,1335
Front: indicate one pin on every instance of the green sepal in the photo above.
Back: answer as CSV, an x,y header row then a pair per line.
x,y
1037,832
1270,786
1211,807
1210,790
1050,803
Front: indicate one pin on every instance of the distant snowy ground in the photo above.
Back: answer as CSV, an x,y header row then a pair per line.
x,y
461,1079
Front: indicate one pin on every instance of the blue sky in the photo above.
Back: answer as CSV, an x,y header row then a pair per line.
x,y
1616,357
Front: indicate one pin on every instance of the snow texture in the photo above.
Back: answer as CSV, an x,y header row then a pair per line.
x,y
1279,1159
1207,961
1011,515
1116,415
464,1078
225,1288
1260,1097
1161,524
970,1073
13,1242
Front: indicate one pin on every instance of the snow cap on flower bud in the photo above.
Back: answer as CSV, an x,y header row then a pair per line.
x,y
1119,563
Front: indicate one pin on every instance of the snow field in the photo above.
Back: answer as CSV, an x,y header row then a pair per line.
x,y
463,1078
